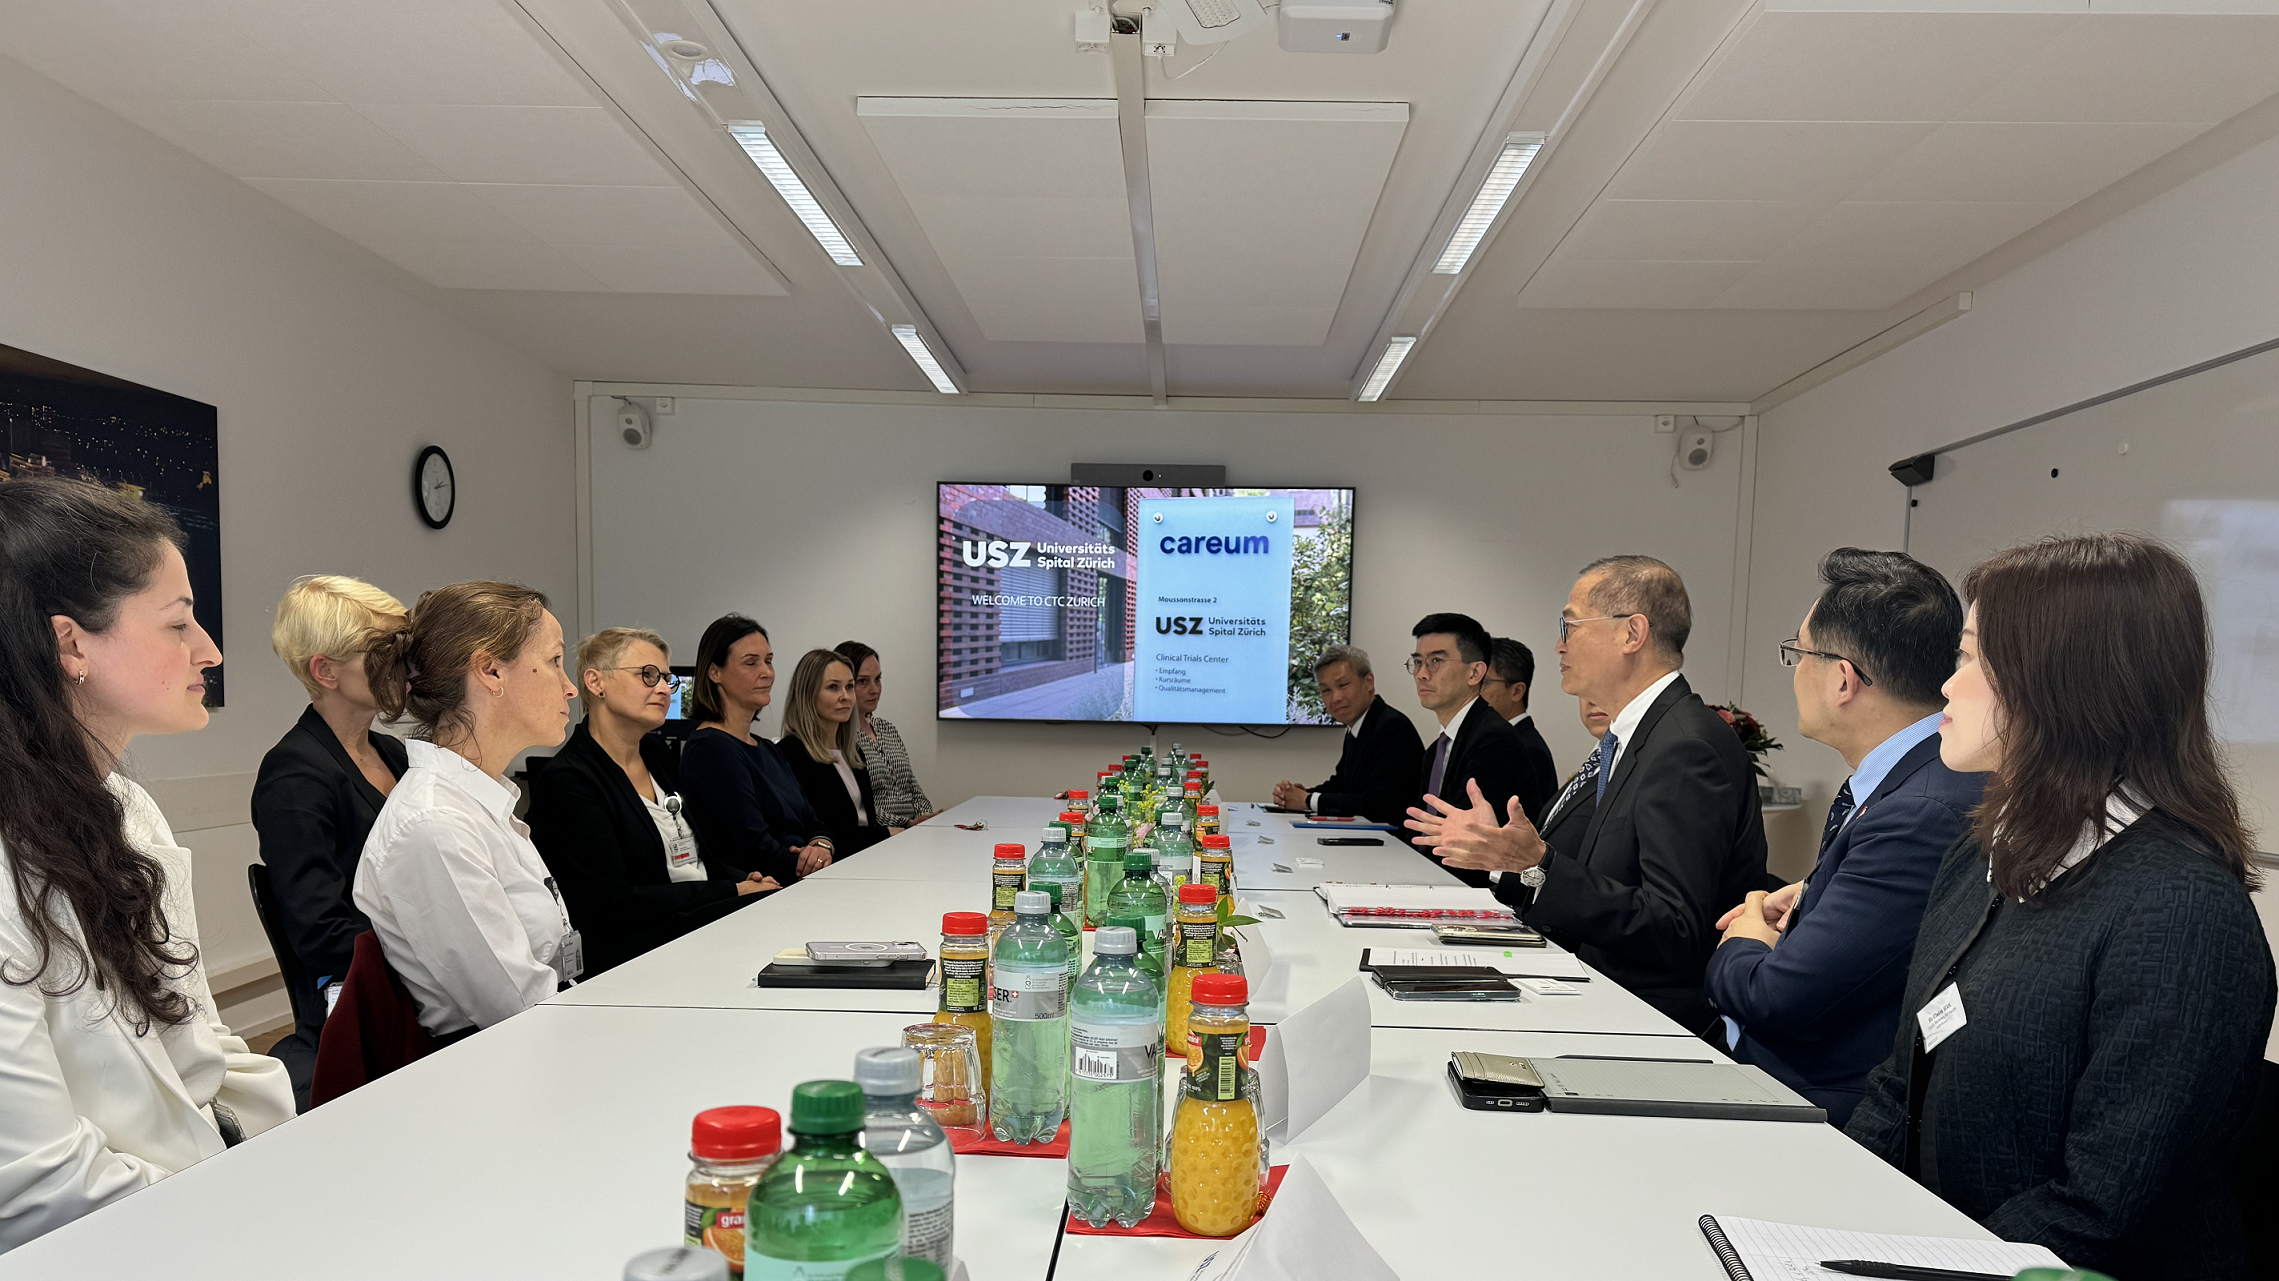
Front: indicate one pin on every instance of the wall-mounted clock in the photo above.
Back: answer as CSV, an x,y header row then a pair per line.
x,y
434,490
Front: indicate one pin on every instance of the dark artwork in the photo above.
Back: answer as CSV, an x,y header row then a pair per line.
x,y
61,420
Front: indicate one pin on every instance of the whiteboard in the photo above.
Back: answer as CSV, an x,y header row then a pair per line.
x,y
2195,462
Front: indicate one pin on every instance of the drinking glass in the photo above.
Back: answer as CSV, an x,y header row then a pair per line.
x,y
949,1075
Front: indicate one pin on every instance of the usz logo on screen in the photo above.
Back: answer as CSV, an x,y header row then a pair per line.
x,y
1179,626
995,553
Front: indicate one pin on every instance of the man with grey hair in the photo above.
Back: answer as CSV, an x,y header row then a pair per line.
x,y
1677,836
1377,774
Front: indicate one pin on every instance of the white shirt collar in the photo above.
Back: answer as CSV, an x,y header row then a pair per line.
x,y
1456,722
2122,809
1625,725
1355,728
463,774
1521,717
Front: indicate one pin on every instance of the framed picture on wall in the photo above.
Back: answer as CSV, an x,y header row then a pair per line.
x,y
62,420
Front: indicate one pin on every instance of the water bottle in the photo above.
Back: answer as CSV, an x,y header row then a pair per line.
x,y
1176,847
1116,1109
827,1205
904,1137
1105,842
1140,894
1028,1019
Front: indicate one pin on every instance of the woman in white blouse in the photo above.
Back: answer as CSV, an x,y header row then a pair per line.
x,y
466,913
114,1069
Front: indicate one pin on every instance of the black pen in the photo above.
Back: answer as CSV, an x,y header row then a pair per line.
x,y
1905,1271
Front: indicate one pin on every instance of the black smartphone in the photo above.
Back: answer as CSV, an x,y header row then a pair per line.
x,y
1349,840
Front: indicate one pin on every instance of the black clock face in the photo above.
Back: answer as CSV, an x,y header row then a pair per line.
x,y
435,491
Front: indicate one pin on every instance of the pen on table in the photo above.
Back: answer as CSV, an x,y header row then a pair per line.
x,y
1905,1271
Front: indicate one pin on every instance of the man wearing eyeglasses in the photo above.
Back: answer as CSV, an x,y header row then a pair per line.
x,y
1376,775
1475,749
1676,836
1809,977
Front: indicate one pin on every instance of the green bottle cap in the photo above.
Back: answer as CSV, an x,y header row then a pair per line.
x,y
826,1107
895,1268
1140,861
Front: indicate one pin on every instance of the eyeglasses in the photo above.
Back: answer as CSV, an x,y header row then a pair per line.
x,y
650,674
1792,653
1419,664
1567,625
1496,680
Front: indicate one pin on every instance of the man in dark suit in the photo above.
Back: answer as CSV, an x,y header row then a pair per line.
x,y
1511,669
1677,832
1475,746
1377,772
1809,977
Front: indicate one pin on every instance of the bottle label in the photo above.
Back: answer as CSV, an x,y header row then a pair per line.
x,y
1198,943
720,1230
1154,927
759,1267
962,991
1217,872
1029,996
1003,886
1116,1052
1107,845
931,1234
1216,1060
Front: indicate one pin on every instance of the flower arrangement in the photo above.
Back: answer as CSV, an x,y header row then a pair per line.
x,y
1752,732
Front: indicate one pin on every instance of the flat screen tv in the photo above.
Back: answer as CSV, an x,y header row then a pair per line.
x,y
1161,606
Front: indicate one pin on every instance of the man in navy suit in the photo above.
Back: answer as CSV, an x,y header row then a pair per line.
x,y
1809,976
1511,669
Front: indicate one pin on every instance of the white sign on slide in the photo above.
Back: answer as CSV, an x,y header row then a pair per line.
x,y
1213,580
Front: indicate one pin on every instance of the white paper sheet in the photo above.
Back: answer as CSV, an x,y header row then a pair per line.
x,y
1305,1236
1791,1252
1331,1037
1534,962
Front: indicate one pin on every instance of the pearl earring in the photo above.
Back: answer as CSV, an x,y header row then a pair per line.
x,y
80,679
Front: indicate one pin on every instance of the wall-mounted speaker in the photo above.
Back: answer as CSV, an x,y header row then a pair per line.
x,y
634,426
1695,452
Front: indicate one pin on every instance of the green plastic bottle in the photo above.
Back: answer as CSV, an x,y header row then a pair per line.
x,y
828,1205
1156,964
1107,838
1139,895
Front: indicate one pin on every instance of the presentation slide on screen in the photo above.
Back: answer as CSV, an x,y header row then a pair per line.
x,y
1088,603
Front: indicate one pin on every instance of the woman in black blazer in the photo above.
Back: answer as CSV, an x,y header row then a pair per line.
x,y
320,789
2084,1019
819,740
606,815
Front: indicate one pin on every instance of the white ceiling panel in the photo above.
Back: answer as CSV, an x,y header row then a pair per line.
x,y
1583,282
584,215
1824,286
2187,70
1970,160
282,139
574,145
457,264
1729,230
375,211
151,52
1944,236
1023,202
1762,160
407,51
674,269
1260,210
1872,66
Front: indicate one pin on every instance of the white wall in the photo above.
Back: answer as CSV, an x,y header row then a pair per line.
x,y
819,520
129,257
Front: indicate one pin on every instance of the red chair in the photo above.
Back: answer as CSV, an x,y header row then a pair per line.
x,y
372,1031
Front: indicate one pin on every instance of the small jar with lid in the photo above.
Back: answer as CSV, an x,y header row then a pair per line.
x,y
965,980
1214,861
1194,951
1207,820
1218,1157
1008,876
729,1149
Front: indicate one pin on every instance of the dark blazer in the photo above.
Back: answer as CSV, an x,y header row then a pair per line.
x,y
606,854
1677,839
1538,774
1377,771
312,809
1487,752
2115,1031
1819,1010
827,795
744,803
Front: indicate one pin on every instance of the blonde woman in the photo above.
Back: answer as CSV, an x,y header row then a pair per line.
x,y
820,741
607,813
321,787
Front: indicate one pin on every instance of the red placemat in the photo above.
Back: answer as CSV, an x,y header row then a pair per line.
x,y
967,1142
1257,1046
1162,1222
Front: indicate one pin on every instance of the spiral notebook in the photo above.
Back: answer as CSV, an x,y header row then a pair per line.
x,y
1756,1250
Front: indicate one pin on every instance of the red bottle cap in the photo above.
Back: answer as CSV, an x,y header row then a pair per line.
x,y
736,1134
1199,892
1079,794
1206,809
1194,773
1221,989
965,924
1218,842
1072,816
1011,850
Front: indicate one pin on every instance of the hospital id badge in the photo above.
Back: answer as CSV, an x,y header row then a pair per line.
x,y
680,851
572,956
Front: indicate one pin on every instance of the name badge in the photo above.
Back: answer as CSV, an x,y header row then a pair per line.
x,y
1941,1018
681,850
572,956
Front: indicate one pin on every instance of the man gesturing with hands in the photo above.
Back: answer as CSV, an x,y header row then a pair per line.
x,y
1675,835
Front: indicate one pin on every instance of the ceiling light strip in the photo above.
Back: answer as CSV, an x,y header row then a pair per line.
x,y
753,138
1388,365
907,335
1511,165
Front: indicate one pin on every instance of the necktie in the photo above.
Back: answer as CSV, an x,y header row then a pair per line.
x,y
1837,813
1439,765
1607,747
1575,785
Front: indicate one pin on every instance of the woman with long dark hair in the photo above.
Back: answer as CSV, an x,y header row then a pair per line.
x,y
742,798
115,1070
2084,1019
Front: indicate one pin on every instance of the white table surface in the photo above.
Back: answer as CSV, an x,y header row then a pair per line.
x,y
552,1145
1442,1192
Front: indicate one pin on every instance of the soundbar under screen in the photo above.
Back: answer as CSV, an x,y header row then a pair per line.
x,y
1091,603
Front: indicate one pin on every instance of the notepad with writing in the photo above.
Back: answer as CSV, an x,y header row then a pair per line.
x,y
1757,1250
1353,903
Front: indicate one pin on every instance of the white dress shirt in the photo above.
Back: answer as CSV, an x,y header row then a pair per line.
x,y
1625,723
681,861
1314,799
91,1110
1514,721
464,908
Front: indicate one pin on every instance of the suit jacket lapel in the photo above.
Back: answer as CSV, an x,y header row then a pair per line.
x,y
1627,767
1909,765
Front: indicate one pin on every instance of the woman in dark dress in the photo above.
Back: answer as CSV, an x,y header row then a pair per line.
x,y
742,798
606,815
821,743
321,787
2084,1019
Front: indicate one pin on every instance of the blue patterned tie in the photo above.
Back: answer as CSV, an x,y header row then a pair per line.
x,y
1607,747
1837,813
1575,785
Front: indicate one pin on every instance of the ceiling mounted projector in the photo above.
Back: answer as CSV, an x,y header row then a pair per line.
x,y
1334,26
1213,21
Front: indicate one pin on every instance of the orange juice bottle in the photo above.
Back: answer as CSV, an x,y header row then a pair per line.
x,y
1194,950
965,987
729,1148
1218,1156
1215,862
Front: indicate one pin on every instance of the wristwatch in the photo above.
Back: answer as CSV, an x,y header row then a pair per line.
x,y
1533,877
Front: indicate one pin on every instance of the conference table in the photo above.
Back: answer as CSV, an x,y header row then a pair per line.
x,y
554,1144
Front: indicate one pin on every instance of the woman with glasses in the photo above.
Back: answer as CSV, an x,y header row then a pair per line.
x,y
901,802
819,741
607,816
